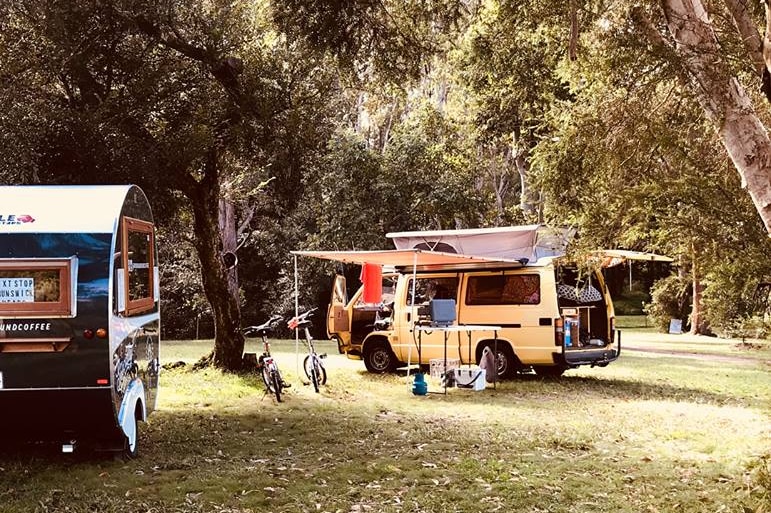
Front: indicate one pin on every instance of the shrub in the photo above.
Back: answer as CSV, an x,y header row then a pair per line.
x,y
670,299
730,301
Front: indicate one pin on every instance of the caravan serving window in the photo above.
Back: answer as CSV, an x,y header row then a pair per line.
x,y
137,262
511,289
35,287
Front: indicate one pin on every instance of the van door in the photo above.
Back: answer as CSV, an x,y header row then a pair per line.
x,y
338,318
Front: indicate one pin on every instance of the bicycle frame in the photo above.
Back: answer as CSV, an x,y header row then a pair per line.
x,y
314,368
266,364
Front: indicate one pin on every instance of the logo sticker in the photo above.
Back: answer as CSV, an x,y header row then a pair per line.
x,y
6,219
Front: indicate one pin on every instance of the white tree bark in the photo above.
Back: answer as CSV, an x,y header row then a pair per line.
x,y
723,99
746,27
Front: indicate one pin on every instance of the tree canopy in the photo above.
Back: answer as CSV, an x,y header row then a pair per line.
x,y
259,127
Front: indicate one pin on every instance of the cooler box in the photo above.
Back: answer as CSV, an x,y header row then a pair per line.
x,y
470,377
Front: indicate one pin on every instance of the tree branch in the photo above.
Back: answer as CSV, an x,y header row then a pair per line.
x,y
573,45
224,69
766,86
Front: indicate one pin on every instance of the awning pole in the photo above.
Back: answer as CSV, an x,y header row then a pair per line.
x,y
630,275
296,313
412,308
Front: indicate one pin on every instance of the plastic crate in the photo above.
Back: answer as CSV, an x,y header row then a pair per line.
x,y
437,368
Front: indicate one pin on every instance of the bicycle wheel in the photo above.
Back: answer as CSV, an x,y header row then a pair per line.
x,y
272,379
320,370
276,384
315,371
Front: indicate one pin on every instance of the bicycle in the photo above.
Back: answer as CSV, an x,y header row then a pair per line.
x,y
313,366
266,364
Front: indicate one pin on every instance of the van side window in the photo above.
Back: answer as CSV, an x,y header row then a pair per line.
x,y
37,287
136,267
427,289
512,289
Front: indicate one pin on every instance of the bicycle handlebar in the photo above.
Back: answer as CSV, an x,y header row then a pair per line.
x,y
300,320
265,327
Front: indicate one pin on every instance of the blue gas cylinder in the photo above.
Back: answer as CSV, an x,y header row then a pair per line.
x,y
568,338
419,386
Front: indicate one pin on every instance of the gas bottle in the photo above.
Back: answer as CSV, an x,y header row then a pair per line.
x,y
419,386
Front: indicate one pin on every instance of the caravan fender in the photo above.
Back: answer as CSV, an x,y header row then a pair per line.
x,y
134,392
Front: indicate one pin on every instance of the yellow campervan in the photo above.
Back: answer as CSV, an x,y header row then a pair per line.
x,y
548,315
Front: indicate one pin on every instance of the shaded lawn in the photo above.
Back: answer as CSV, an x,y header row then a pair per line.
x,y
644,434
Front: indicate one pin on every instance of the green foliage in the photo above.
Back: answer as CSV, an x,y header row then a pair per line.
x,y
390,39
671,298
631,302
730,299
329,124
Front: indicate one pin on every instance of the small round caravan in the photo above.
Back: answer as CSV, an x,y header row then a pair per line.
x,y
79,315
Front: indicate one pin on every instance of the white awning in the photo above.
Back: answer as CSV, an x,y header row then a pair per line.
x,y
613,257
531,242
407,258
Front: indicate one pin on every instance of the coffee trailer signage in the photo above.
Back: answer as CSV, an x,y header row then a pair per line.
x,y
79,315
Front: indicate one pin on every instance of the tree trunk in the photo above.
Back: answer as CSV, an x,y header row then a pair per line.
x,y
723,99
229,236
520,151
205,201
699,325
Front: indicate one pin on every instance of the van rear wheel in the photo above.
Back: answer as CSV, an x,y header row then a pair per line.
x,y
507,364
378,358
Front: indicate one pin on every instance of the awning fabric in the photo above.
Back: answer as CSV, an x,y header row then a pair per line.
x,y
407,258
613,257
508,242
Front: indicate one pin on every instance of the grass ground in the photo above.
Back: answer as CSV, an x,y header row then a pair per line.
x,y
652,432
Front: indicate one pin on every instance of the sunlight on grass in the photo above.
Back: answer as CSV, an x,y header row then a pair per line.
x,y
650,432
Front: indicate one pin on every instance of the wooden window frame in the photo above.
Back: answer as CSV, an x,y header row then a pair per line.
x,y
144,304
61,308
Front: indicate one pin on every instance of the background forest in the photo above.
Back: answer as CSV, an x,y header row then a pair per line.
x,y
259,127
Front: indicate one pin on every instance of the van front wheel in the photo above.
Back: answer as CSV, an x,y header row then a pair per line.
x,y
378,358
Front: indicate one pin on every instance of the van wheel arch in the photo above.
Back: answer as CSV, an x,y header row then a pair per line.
x,y
508,363
378,356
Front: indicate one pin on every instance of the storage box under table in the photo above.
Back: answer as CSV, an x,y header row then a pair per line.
x,y
470,377
437,366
